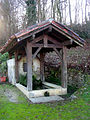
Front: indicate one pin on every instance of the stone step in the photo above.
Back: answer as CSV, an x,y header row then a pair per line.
x,y
45,99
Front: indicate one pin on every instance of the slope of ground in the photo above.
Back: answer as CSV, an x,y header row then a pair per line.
x,y
22,109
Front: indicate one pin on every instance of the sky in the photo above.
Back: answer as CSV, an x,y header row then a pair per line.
x,y
22,11
73,4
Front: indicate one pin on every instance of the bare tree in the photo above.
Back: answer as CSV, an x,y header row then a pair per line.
x,y
70,12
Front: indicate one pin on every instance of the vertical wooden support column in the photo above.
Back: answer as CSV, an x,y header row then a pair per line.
x,y
42,77
64,68
16,66
29,66
10,56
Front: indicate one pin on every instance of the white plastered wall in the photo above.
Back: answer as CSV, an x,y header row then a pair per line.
x,y
36,67
11,71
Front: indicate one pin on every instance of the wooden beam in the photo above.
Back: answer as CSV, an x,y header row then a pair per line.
x,y
45,40
68,42
10,56
68,36
31,38
16,66
42,77
65,43
64,68
37,45
57,52
35,54
37,39
50,29
54,41
48,45
29,66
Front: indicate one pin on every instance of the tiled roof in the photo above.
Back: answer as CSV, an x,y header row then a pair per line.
x,y
41,25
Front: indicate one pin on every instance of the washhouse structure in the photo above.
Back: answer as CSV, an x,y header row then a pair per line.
x,y
31,45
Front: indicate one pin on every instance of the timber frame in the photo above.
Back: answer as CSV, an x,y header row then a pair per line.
x,y
40,39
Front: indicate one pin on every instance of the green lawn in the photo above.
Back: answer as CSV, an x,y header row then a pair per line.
x,y
78,109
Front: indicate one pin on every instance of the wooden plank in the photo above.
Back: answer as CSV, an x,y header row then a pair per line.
x,y
42,77
16,66
57,52
29,66
64,68
35,54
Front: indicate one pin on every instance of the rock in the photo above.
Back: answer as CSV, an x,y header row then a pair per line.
x,y
73,97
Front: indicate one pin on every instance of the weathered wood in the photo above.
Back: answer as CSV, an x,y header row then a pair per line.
x,y
38,39
42,67
68,36
45,40
29,66
68,42
64,68
50,29
16,66
10,56
58,53
53,40
48,45
35,54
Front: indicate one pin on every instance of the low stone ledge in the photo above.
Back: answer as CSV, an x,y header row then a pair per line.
x,y
51,85
52,92
23,89
40,93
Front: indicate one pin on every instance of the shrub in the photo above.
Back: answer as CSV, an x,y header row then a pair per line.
x,y
53,77
37,84
3,64
23,80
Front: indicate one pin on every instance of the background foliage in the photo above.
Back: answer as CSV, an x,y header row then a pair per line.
x,y
3,64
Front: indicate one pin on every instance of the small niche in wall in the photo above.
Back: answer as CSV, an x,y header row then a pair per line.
x,y
25,67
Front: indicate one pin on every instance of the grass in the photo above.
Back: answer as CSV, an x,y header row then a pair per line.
x,y
77,109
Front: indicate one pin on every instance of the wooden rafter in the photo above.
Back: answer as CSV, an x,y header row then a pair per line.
x,y
37,39
54,41
68,36
68,42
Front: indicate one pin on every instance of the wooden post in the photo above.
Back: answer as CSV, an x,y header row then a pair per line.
x,y
42,77
64,68
10,56
29,66
16,66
